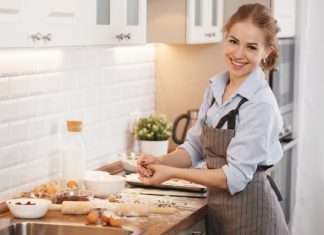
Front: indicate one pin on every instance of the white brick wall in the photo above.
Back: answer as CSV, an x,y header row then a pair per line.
x,y
41,88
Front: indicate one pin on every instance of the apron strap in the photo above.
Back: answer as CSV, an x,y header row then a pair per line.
x,y
271,181
230,117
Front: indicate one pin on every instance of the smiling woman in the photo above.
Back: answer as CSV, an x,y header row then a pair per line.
x,y
236,134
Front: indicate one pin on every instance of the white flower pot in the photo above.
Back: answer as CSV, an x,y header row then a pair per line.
x,y
155,148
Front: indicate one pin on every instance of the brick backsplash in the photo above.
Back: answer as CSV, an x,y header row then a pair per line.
x,y
41,88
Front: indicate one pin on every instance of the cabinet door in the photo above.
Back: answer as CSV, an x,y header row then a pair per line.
x,y
204,21
284,12
13,21
98,22
58,22
196,20
215,21
129,21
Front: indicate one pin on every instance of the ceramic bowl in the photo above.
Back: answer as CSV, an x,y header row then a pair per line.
x,y
104,186
28,208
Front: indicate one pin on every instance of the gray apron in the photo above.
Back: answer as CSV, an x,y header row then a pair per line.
x,y
253,211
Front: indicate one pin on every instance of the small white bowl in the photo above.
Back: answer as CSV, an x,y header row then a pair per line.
x,y
28,208
102,187
96,175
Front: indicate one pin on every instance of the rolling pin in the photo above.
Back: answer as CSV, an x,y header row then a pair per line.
x,y
73,207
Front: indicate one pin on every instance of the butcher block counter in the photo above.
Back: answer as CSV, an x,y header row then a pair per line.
x,y
189,211
154,224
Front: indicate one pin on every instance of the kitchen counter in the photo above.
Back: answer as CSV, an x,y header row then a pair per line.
x,y
154,224
190,211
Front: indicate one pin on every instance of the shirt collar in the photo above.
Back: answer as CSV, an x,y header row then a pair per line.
x,y
248,88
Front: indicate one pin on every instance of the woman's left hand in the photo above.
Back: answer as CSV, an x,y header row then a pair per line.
x,y
161,173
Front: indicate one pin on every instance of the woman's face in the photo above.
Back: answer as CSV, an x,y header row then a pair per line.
x,y
243,49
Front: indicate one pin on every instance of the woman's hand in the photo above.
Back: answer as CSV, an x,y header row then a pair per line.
x,y
160,173
142,165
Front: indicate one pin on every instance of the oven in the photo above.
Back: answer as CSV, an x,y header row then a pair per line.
x,y
281,81
281,78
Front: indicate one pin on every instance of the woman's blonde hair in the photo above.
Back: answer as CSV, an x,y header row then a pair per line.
x,y
262,18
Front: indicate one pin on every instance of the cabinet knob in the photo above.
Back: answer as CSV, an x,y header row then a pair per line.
x,y
36,36
120,36
128,36
47,37
209,35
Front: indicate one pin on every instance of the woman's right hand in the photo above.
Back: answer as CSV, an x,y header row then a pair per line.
x,y
143,161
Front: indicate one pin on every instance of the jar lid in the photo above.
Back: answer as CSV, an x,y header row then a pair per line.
x,y
74,126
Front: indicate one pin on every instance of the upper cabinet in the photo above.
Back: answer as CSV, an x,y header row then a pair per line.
x,y
285,13
117,22
130,21
185,21
26,23
13,18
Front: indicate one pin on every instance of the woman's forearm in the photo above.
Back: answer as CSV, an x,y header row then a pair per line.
x,y
208,177
178,158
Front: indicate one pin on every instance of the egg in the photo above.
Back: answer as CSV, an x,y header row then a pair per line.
x,y
92,217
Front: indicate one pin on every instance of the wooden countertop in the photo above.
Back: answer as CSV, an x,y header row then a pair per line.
x,y
154,224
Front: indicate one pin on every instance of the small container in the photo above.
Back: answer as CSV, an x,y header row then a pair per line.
x,y
28,208
74,152
73,195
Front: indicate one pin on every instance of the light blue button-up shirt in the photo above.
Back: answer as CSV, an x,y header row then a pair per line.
x,y
256,140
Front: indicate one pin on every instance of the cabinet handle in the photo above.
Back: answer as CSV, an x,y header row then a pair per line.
x,y
47,37
120,36
36,36
128,36
197,233
209,35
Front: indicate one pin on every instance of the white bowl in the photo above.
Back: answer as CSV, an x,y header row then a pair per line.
x,y
102,187
96,175
28,208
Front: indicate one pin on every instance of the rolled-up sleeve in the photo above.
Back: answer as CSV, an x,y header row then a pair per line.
x,y
256,132
192,143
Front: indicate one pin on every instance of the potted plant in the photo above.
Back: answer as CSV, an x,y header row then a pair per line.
x,y
153,133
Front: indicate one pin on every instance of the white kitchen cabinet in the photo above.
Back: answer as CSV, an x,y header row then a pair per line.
x,y
27,23
13,21
204,21
58,22
185,21
115,22
285,13
130,21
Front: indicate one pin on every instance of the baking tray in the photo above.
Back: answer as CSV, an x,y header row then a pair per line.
x,y
182,185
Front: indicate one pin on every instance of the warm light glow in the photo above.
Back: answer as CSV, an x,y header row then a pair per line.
x,y
132,54
25,61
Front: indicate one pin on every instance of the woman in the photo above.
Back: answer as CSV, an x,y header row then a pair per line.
x,y
237,134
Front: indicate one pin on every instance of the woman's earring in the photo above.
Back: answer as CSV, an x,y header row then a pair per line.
x,y
264,61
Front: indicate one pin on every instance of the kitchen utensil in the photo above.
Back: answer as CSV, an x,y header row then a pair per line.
x,y
76,208
189,118
28,208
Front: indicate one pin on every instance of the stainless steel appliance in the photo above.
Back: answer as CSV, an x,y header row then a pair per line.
x,y
281,81
281,78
